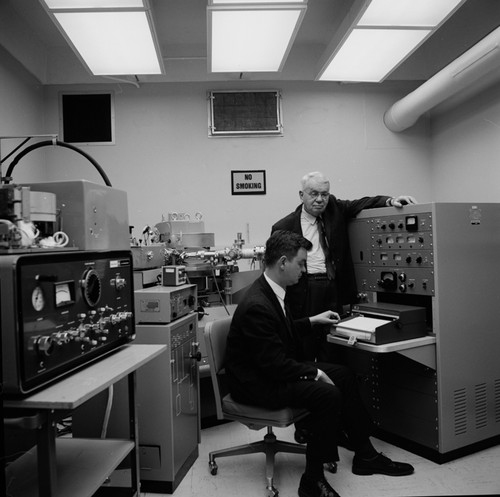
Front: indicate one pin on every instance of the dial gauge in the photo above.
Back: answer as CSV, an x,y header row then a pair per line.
x,y
63,294
38,299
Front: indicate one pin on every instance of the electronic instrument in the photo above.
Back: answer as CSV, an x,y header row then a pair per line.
x,y
60,310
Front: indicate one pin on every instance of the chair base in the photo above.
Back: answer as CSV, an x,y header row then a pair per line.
x,y
270,446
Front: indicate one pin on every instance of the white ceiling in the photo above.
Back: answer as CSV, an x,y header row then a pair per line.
x,y
27,33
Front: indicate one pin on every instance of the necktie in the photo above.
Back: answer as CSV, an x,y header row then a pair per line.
x,y
289,321
330,268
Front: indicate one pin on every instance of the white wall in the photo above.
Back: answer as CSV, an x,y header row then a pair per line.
x,y
166,162
21,113
466,151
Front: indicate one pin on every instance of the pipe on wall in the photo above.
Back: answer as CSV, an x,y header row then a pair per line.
x,y
461,74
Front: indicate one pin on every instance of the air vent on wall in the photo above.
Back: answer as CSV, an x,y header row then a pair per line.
x,y
245,113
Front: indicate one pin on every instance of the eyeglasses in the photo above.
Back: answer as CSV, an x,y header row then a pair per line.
x,y
315,194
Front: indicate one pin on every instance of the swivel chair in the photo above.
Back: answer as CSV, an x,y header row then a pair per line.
x,y
254,417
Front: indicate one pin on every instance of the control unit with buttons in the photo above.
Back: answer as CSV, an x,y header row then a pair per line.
x,y
394,253
438,391
60,310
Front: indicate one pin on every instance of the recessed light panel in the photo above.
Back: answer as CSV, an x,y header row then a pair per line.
x,y
407,12
382,34
370,54
251,40
93,4
248,2
112,43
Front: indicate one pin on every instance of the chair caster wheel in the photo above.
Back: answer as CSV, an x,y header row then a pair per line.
x,y
213,468
331,467
272,492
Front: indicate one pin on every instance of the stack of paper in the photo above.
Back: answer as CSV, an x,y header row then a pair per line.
x,y
359,327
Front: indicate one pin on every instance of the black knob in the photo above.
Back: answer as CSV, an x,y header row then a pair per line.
x,y
196,356
195,352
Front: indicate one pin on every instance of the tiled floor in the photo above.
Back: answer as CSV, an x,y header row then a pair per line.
x,y
243,476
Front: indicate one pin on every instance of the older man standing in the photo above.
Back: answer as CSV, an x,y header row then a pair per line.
x,y
329,283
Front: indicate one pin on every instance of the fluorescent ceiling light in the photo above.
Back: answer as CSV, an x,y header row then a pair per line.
x,y
117,38
112,42
407,12
370,54
241,2
93,4
381,35
253,39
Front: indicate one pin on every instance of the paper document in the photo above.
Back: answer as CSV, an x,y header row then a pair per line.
x,y
360,327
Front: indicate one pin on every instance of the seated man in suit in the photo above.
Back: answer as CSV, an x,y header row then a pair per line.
x,y
265,366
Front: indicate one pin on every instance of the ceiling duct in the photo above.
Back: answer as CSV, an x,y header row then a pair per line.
x,y
461,74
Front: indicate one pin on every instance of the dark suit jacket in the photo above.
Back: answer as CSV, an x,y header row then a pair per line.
x,y
264,349
337,215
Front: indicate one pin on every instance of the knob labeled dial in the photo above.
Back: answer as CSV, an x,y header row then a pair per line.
x,y
91,287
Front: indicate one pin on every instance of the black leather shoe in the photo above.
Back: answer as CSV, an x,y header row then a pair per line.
x,y
315,488
381,465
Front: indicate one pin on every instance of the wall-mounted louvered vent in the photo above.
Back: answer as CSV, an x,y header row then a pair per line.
x,y
480,402
245,113
460,407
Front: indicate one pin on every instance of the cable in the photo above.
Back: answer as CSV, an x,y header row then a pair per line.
x,y
18,157
109,405
58,239
218,290
15,150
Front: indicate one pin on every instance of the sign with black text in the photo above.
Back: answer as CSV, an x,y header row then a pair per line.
x,y
248,182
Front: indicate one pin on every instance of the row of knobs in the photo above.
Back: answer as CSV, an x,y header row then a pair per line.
x,y
420,240
46,345
403,286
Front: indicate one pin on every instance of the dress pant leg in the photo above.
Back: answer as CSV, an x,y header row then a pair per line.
x,y
322,296
355,419
324,403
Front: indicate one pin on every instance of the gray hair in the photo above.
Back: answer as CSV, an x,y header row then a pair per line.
x,y
316,174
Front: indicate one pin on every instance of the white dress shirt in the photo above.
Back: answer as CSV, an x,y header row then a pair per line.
x,y
315,256
278,290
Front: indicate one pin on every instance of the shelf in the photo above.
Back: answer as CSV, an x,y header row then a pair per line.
x,y
73,391
422,350
385,347
77,467
82,466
